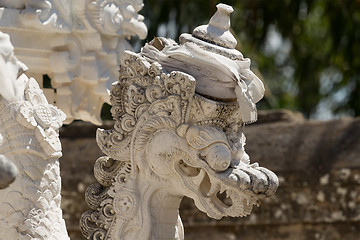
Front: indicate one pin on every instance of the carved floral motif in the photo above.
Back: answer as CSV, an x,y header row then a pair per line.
x,y
35,113
29,132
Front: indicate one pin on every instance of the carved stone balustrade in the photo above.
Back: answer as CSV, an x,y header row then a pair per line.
x,y
179,112
77,44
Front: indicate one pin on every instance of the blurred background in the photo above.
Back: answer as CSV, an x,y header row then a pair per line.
x,y
306,52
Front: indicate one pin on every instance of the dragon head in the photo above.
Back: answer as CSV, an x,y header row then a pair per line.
x,y
203,160
184,142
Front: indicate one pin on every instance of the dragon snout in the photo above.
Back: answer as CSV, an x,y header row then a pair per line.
x,y
257,179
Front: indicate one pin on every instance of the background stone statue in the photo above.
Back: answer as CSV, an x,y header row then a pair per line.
x,y
72,48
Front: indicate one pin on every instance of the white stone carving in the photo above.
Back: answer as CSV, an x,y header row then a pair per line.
x,y
76,43
169,141
30,206
221,72
10,68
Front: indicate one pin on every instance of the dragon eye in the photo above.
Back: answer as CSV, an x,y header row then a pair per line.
x,y
218,156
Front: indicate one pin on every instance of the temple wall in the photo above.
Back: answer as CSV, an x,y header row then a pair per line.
x,y
318,165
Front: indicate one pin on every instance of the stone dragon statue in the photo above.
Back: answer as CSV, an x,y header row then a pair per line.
x,y
173,138
30,206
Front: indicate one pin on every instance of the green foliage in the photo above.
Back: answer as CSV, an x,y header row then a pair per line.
x,y
307,51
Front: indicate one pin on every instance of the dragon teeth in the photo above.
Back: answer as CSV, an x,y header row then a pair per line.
x,y
222,189
214,188
199,178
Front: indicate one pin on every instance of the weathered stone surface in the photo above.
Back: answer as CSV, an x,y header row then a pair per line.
x,y
318,164
282,115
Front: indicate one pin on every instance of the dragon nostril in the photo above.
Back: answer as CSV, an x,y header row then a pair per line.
x,y
225,165
260,186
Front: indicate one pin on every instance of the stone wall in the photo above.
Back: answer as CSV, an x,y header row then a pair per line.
x,y
318,165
